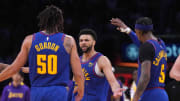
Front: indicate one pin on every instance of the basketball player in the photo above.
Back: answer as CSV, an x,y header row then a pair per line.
x,y
97,70
51,53
152,60
175,71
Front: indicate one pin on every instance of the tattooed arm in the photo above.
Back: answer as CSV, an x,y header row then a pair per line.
x,y
144,79
146,55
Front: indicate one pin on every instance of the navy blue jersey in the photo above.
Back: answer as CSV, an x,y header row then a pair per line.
x,y
48,60
96,87
158,65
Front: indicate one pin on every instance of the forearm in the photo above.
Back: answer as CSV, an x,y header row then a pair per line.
x,y
8,72
3,66
114,85
142,84
175,75
80,81
175,71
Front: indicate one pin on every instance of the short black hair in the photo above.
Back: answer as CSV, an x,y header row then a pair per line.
x,y
88,31
144,21
51,19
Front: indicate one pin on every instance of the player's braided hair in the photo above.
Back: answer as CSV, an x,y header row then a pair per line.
x,y
51,19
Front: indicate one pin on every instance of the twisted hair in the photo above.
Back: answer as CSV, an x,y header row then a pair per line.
x,y
51,19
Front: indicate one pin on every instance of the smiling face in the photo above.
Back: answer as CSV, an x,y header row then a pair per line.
x,y
86,43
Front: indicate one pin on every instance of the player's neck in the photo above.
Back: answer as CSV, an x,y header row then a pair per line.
x,y
16,83
149,36
48,33
88,55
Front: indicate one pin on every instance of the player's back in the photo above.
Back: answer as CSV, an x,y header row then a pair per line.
x,y
155,88
158,66
48,60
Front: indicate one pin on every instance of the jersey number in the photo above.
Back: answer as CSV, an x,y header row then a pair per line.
x,y
162,74
47,64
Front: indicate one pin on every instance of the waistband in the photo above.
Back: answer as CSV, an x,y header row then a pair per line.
x,y
155,88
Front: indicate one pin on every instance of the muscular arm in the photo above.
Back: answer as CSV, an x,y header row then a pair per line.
x,y
76,67
19,61
3,66
144,79
105,65
175,71
146,55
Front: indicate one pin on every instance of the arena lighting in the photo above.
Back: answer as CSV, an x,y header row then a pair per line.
x,y
173,50
130,52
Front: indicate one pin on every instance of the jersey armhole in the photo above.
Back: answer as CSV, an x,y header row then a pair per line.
x,y
33,38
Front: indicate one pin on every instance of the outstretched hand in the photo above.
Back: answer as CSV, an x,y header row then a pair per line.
x,y
121,26
118,22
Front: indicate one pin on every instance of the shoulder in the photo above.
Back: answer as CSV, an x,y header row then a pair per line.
x,y
147,45
68,37
25,87
6,87
69,41
28,39
103,60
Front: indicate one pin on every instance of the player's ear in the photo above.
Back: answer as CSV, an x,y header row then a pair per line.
x,y
94,42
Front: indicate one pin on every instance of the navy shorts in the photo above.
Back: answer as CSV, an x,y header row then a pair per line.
x,y
156,94
51,93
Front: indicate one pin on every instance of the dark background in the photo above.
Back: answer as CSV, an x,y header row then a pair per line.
x,y
18,19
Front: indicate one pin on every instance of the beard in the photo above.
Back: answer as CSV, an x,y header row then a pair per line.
x,y
87,49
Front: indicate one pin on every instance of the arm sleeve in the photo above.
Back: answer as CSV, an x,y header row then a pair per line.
x,y
146,52
134,38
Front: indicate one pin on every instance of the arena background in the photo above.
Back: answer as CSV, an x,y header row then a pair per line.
x,y
18,19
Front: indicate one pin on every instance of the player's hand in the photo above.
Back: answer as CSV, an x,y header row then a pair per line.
x,y
118,92
78,93
121,26
118,22
78,97
25,69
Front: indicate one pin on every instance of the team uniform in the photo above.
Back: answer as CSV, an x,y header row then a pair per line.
x,y
49,67
156,52
19,93
96,86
